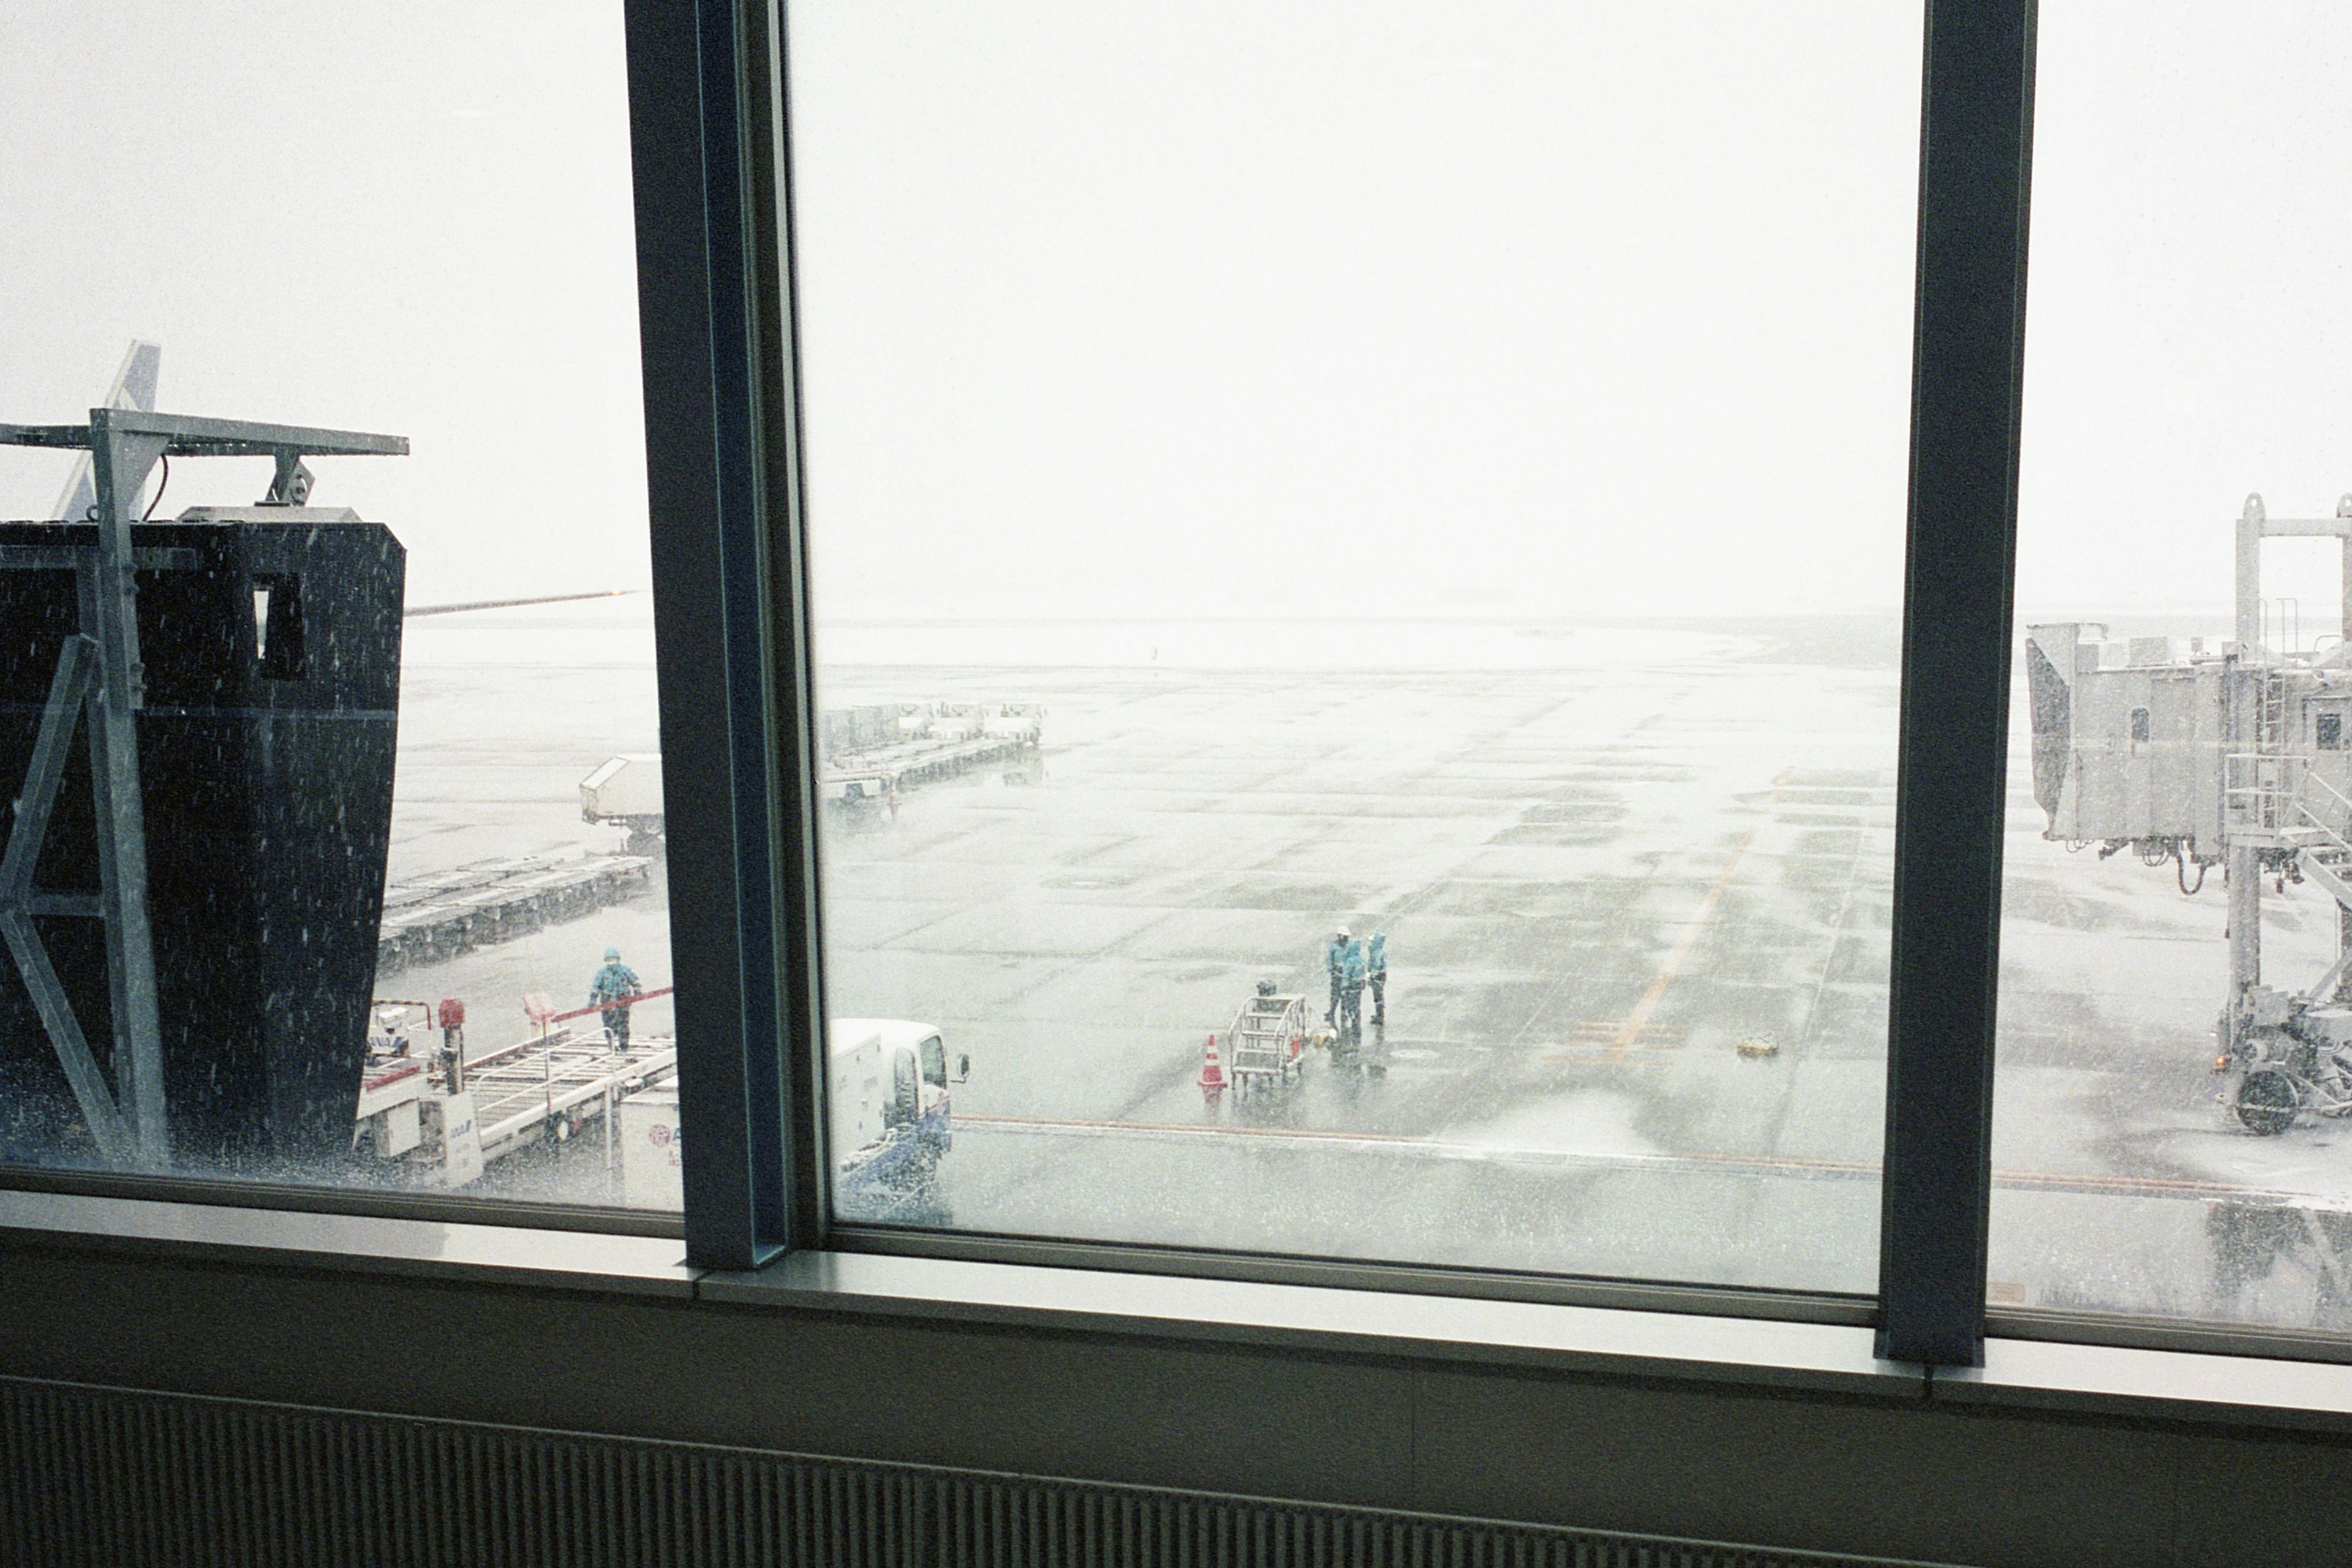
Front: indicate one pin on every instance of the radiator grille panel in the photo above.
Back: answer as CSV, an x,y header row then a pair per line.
x,y
104,1479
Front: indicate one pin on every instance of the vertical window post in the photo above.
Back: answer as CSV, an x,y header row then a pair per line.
x,y
1976,149
702,114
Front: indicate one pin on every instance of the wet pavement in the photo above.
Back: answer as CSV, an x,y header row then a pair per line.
x,y
1597,877
1607,860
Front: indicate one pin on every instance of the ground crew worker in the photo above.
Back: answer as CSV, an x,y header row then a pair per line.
x,y
612,982
1335,959
1376,970
1351,990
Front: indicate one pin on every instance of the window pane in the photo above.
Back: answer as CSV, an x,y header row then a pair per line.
x,y
2170,1061
1431,472
397,777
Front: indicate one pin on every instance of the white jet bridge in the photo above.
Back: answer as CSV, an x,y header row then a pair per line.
x,y
2238,756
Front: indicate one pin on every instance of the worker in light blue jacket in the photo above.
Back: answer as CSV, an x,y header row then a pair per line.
x,y
1335,960
612,983
1376,971
1351,990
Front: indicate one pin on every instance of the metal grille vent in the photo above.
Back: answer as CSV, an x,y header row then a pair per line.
x,y
105,1477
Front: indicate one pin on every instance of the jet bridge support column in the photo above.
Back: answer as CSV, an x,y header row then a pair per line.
x,y
2242,860
2248,815
119,461
2343,914
2241,812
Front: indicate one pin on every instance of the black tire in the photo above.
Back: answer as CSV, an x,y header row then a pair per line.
x,y
2268,1100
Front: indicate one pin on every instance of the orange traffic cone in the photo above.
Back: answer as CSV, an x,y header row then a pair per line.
x,y
1212,1074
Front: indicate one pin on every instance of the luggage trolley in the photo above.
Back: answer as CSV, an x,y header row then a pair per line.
x,y
1268,1043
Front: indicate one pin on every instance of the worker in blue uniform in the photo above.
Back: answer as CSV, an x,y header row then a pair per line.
x,y
1335,959
1376,971
1351,990
612,982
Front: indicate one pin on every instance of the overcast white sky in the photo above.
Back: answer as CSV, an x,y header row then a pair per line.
x,y
2189,310
1495,306
412,218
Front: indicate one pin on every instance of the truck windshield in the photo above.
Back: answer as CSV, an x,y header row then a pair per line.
x,y
935,1061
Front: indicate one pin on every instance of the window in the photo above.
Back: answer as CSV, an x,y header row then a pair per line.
x,y
1476,441
2173,1019
1356,585
397,742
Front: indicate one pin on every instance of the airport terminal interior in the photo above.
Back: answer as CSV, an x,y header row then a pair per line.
x,y
817,782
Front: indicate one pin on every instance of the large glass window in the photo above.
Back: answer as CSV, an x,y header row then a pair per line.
x,y
366,885
1356,556
2175,1047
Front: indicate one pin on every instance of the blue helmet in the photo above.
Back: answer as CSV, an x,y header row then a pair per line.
x,y
611,955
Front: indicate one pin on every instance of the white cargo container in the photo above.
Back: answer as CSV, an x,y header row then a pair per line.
x,y
626,790
652,1148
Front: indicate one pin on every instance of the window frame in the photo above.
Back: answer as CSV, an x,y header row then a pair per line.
x,y
1975,157
711,137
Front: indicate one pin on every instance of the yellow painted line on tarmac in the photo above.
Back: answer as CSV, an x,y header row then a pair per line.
x,y
2078,1182
1639,1018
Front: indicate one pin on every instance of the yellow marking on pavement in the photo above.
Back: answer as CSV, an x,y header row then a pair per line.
x,y
1601,1034
1640,1016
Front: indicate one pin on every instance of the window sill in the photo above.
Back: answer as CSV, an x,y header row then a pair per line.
x,y
357,1243
2022,1375
1322,1319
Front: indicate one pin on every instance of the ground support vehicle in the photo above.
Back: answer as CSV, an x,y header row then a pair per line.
x,y
876,775
1266,1048
871,753
441,914
436,1110
625,792
890,1116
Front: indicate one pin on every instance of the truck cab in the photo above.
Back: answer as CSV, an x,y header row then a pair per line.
x,y
889,1113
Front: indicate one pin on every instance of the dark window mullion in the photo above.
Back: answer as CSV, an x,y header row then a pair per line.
x,y
700,276
803,1194
1967,370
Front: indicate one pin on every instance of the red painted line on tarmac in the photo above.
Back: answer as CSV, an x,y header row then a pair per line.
x,y
2087,1183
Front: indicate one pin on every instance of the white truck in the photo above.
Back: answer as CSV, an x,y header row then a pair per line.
x,y
889,1124
890,1121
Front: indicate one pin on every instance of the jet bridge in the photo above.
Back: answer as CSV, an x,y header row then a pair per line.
x,y
200,714
2197,755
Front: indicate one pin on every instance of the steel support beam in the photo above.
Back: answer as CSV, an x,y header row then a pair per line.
x,y
70,686
120,462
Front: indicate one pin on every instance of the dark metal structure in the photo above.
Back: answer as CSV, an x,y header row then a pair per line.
x,y
242,785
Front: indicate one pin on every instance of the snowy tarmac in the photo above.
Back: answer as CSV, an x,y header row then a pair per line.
x,y
1603,858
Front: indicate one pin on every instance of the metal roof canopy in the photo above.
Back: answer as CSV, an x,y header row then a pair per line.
x,y
100,667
